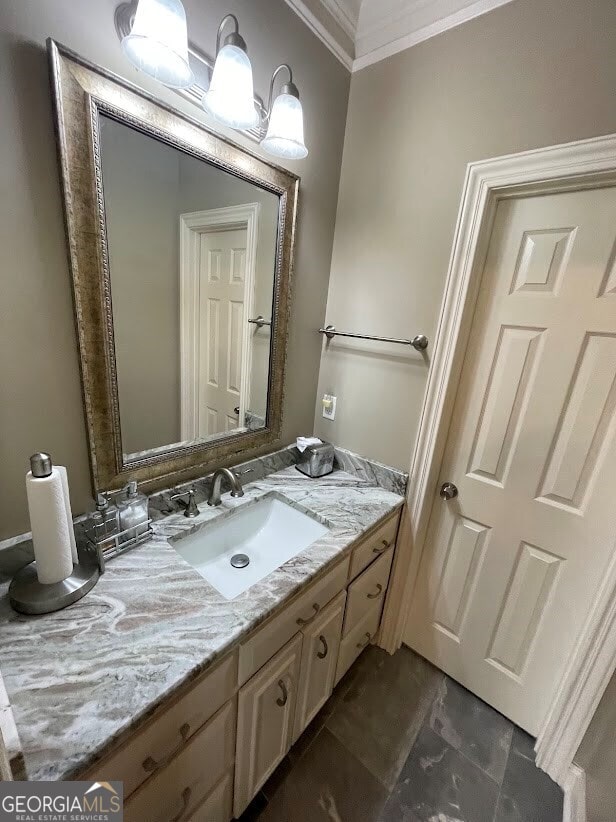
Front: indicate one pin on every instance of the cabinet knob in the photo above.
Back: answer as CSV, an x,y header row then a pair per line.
x,y
282,700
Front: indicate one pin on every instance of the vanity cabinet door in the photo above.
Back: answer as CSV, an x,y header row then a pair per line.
x,y
319,658
266,711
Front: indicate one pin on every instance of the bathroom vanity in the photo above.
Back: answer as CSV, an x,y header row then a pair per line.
x,y
189,698
175,674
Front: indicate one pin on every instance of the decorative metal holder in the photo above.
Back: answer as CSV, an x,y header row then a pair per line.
x,y
108,546
29,596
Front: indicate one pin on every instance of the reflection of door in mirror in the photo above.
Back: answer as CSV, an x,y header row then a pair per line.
x,y
218,252
192,256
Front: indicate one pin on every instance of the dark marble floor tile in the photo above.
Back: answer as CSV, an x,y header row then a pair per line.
x,y
527,794
380,715
439,784
277,778
327,783
523,743
472,727
310,733
253,811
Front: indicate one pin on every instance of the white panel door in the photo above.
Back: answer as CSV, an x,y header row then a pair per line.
x,y
222,289
511,566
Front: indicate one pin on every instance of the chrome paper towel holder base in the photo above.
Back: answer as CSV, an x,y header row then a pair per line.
x,y
29,596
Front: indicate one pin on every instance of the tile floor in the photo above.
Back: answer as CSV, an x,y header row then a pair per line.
x,y
401,742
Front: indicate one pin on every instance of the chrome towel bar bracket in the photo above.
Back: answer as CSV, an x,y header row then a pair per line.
x,y
419,342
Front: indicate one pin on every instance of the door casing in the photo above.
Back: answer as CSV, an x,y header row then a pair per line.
x,y
569,167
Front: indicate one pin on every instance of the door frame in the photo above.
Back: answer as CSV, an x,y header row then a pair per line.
x,y
192,225
568,167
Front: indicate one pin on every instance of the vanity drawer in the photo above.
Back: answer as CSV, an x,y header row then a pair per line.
x,y
374,544
268,640
218,805
188,779
368,589
359,638
167,732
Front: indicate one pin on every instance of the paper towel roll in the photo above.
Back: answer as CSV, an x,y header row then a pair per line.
x,y
69,513
48,521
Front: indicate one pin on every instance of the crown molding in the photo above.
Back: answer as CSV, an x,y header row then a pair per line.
x,y
375,38
362,32
344,15
326,31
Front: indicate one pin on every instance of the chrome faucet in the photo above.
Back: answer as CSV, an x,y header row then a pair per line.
x,y
217,477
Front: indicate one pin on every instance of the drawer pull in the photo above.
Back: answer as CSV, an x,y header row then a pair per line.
x,y
379,591
322,654
186,795
301,622
385,545
150,764
282,700
366,641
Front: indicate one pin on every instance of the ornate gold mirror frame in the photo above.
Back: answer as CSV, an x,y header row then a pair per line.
x,y
81,92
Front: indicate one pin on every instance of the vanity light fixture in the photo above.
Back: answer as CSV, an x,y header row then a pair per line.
x,y
153,34
230,97
158,42
285,131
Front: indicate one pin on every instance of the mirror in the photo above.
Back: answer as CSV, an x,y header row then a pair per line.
x,y
181,247
192,255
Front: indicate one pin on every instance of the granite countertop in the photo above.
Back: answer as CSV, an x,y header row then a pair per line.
x,y
83,677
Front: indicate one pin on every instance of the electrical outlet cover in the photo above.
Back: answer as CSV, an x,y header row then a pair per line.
x,y
329,406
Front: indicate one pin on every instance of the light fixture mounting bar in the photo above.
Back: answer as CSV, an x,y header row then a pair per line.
x,y
123,19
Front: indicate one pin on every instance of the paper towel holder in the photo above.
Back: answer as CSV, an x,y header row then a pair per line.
x,y
29,596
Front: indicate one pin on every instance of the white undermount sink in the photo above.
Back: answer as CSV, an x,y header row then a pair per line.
x,y
268,533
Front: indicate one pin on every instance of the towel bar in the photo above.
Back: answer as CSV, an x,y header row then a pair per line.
x,y
419,342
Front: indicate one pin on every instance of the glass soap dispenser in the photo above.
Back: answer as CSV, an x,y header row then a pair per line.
x,y
105,519
133,513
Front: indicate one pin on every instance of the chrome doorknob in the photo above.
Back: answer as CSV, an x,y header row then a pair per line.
x,y
448,491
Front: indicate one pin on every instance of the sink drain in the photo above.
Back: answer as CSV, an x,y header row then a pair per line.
x,y
240,560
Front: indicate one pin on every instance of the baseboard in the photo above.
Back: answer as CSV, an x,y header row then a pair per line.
x,y
574,808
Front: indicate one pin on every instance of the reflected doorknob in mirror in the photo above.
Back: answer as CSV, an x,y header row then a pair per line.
x,y
448,491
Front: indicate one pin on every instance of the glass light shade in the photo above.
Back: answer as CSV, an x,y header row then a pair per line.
x,y
285,133
158,42
230,97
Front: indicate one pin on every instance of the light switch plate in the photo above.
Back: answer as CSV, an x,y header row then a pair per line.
x,y
329,406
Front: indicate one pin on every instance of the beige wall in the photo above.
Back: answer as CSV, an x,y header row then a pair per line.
x,y
597,755
40,406
531,73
